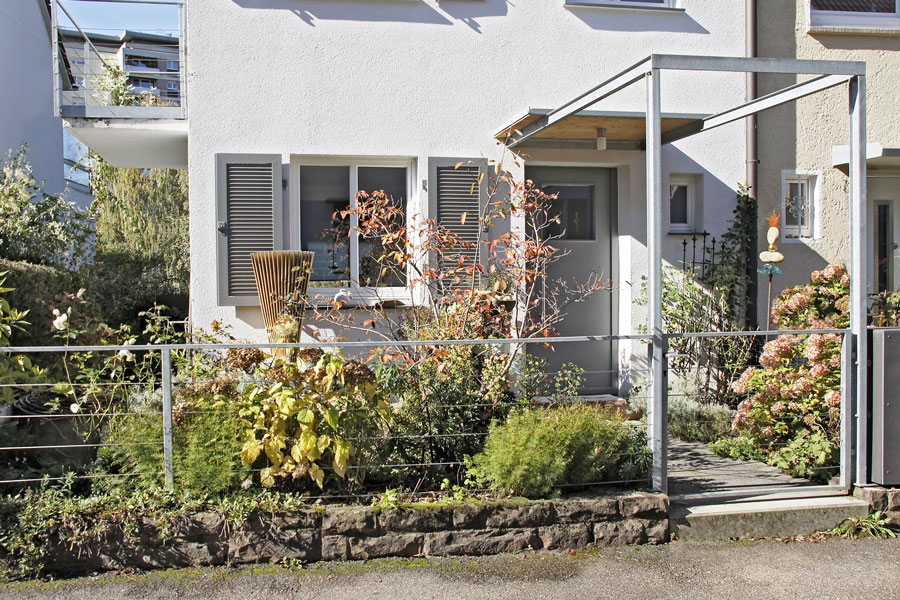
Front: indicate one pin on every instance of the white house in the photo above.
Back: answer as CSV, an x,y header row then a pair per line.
x,y
298,104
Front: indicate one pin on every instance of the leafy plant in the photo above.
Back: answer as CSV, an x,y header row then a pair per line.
x,y
35,226
791,407
876,524
540,450
14,368
691,420
309,417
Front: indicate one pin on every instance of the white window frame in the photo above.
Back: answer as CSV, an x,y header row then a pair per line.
x,y
670,4
866,20
359,294
172,85
692,184
813,181
169,66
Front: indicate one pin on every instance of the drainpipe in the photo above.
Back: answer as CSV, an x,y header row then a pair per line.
x,y
752,164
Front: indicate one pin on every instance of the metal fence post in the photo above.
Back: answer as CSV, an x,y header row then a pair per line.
x,y
168,459
846,474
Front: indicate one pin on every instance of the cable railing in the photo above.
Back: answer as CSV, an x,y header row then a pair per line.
x,y
129,74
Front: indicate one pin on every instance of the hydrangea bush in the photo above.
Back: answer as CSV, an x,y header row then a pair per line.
x,y
790,414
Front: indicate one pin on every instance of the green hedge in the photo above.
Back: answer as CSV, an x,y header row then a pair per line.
x,y
35,287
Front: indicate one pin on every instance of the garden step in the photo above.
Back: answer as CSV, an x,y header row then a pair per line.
x,y
767,518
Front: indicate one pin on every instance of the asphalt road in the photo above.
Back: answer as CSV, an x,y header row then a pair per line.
x,y
769,569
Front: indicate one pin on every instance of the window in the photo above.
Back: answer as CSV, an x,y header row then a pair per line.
x,y
856,13
799,205
79,81
343,257
143,83
172,85
574,205
172,65
78,61
682,203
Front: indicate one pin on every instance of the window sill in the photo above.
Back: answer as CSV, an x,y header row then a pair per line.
x,y
390,298
855,30
589,4
800,240
689,233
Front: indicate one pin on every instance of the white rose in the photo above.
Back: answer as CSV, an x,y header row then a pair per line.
x,y
61,322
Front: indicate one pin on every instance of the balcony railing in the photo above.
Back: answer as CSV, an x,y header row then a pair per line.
x,y
93,78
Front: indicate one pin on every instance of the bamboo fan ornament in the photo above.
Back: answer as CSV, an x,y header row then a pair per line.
x,y
280,274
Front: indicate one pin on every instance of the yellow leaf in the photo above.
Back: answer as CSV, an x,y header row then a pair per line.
x,y
250,452
297,453
462,218
266,479
323,443
317,474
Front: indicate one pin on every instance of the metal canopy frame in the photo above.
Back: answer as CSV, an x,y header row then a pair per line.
x,y
828,74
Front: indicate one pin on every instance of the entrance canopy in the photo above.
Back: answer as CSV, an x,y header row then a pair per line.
x,y
621,130
570,121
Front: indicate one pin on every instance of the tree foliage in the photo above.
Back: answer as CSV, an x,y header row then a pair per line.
x,y
142,219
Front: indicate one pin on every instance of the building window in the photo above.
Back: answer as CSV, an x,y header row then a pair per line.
x,y
143,84
79,81
172,85
799,206
573,204
172,65
856,13
78,61
682,203
344,258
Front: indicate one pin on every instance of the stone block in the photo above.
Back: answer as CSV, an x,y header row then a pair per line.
x,y
389,544
643,505
529,515
335,547
566,536
620,533
483,542
471,516
350,520
587,510
255,546
416,519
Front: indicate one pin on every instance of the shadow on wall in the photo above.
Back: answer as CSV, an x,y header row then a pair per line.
x,y
636,20
399,11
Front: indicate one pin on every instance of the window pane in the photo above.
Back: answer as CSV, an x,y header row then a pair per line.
x,y
883,248
861,6
574,204
678,205
793,205
375,268
324,192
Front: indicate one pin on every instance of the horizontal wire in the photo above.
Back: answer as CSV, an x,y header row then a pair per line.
x,y
97,476
68,446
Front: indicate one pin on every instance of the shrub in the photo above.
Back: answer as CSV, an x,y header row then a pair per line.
x,y
35,287
206,448
791,408
314,414
539,450
35,226
691,420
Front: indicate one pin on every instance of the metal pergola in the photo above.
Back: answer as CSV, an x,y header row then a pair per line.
x,y
826,74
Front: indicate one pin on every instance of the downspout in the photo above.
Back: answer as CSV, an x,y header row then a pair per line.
x,y
752,163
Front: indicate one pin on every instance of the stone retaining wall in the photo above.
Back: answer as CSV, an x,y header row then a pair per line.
x,y
884,499
359,533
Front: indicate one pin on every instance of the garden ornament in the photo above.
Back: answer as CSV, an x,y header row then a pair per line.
x,y
770,258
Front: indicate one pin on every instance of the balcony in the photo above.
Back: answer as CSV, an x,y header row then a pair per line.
x,y
122,91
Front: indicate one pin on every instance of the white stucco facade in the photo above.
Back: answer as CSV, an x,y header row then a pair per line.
x,y
26,93
437,79
803,137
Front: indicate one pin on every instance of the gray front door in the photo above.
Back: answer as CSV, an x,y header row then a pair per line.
x,y
586,206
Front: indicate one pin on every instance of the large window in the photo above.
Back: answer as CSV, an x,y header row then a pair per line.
x,y
799,205
345,258
856,13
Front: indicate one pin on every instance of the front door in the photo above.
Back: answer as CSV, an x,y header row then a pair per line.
x,y
585,204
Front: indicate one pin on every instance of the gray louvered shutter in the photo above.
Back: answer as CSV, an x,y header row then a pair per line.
x,y
248,190
454,191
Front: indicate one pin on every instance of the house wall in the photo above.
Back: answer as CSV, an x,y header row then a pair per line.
x,y
26,92
430,78
801,136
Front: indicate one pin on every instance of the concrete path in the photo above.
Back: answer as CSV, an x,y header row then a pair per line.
x,y
723,570
694,469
